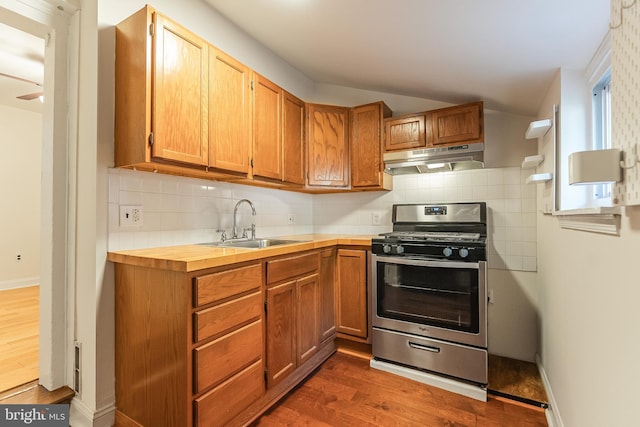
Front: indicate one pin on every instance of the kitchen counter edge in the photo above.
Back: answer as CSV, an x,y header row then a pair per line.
x,y
187,258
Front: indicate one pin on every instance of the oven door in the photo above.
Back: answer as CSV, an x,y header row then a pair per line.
x,y
439,299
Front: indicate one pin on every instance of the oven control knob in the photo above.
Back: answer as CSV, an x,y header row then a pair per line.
x,y
399,249
386,248
463,252
447,252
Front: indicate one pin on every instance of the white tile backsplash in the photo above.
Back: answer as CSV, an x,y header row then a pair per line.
x,y
179,210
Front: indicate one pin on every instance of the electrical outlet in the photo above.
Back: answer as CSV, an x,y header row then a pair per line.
x,y
291,218
18,257
376,218
490,297
130,216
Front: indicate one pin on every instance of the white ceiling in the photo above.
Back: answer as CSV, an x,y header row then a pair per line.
x,y
21,55
504,52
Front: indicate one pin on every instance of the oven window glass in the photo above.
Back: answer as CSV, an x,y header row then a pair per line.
x,y
436,296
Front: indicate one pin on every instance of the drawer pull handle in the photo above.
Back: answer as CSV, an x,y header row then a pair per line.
x,y
424,347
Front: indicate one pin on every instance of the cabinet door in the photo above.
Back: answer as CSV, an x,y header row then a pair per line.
x,y
308,313
327,294
366,144
180,94
407,132
328,146
281,325
267,130
459,124
293,139
229,113
352,293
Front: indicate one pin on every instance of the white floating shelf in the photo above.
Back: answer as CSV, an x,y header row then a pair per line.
x,y
539,177
538,128
532,161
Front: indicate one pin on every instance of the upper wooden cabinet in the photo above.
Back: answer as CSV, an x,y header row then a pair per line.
x,y
458,124
328,145
229,112
267,128
405,132
161,65
293,113
366,144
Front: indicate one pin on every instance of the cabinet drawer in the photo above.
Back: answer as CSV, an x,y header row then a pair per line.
x,y
215,361
223,403
217,286
286,268
223,317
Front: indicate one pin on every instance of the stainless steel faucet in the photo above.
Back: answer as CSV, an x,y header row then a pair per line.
x,y
235,214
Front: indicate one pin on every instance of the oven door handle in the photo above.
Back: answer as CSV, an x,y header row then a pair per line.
x,y
424,347
427,262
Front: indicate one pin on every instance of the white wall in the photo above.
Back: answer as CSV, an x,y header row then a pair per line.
x,y
20,176
588,294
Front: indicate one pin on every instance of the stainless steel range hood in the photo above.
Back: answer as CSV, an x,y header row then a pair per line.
x,y
460,157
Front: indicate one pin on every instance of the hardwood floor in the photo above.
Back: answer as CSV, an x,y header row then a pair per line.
x,y
345,391
516,378
19,331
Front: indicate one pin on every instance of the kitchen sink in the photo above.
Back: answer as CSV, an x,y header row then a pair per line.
x,y
252,244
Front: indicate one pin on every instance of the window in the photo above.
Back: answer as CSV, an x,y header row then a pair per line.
x,y
602,129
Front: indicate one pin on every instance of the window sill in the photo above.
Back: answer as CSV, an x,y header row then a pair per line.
x,y
605,220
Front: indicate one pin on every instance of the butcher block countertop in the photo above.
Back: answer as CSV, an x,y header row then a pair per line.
x,y
194,257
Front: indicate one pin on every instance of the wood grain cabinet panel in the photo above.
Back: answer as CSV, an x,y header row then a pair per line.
x,y
229,112
286,268
161,92
217,360
293,314
327,278
224,284
180,94
458,124
366,144
308,313
221,318
220,405
327,146
281,332
293,113
351,294
406,132
267,128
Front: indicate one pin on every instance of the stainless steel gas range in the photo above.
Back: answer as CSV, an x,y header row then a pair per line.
x,y
430,291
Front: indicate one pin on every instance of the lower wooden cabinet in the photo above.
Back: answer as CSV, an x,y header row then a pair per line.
x,y
219,346
293,312
352,314
189,346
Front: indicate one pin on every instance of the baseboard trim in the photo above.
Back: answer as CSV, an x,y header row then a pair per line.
x,y
19,283
468,390
552,413
80,415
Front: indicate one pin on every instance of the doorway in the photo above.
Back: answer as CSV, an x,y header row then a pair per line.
x,y
53,23
21,123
